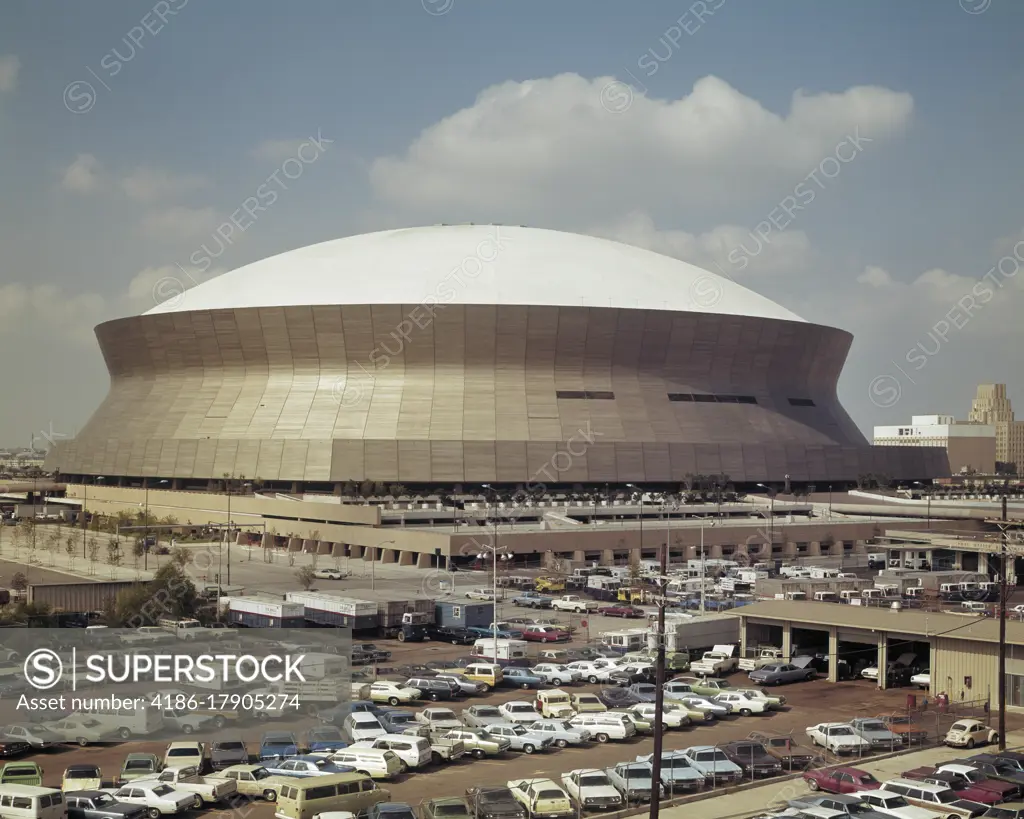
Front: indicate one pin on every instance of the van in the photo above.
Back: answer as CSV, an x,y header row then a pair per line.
x,y
378,763
487,674
412,752
31,802
606,725
350,792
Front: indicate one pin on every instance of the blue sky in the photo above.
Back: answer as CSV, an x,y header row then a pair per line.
x,y
211,104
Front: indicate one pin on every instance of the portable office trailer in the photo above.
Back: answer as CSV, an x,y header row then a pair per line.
x,y
699,633
325,609
256,612
463,613
392,605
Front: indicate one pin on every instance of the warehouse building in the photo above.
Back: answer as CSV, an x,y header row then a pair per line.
x,y
961,651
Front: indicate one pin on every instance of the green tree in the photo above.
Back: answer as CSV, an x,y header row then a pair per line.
x,y
71,550
94,553
170,594
19,582
114,555
306,577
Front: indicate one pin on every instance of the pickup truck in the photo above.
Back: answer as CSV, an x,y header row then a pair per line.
x,y
532,600
443,748
718,662
764,656
575,603
206,789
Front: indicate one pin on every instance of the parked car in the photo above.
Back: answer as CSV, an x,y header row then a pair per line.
x,y
494,803
96,804
993,768
306,766
390,810
138,766
396,721
480,716
892,804
903,725
591,789
922,680
253,781
37,737
622,611
966,733
541,798
876,733
957,783
433,688
480,594
741,704
456,635
793,757
158,799
635,781
545,634
466,686
933,797
780,674
835,804
80,778
1006,789
478,742
393,693
644,692
521,678
712,762
532,600
361,725
672,716
630,673
562,732
227,752
329,574
677,772
519,712
753,758
840,780
21,773
378,654
520,738
447,807
438,718
838,737
322,739
83,731
556,674
619,697
278,745
704,706
586,703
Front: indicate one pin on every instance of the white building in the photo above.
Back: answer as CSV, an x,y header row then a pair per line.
x,y
970,446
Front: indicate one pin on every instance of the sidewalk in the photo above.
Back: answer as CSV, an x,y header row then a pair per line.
x,y
746,803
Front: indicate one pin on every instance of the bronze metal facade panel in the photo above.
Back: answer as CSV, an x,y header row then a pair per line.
x,y
450,393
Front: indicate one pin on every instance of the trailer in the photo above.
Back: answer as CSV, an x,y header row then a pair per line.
x,y
255,612
698,634
463,613
325,609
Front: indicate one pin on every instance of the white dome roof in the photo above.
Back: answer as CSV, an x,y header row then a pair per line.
x,y
476,264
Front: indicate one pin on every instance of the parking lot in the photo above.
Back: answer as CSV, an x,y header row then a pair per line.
x,y
807,704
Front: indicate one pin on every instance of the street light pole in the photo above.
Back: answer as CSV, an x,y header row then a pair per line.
x,y
373,563
1002,634
659,691
703,570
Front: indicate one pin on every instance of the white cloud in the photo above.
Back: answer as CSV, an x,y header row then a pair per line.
x,y
875,277
9,67
24,307
151,184
155,285
714,250
540,147
83,175
179,222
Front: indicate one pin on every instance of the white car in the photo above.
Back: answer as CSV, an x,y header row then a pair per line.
x,y
922,680
360,725
594,671
541,798
393,693
440,719
892,804
519,712
330,574
592,789
156,799
556,674
838,737
480,594
671,715
966,733
772,701
742,704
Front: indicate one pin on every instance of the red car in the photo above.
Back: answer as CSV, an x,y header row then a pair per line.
x,y
840,780
621,611
986,791
545,634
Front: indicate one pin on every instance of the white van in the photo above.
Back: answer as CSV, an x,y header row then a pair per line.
x,y
31,802
606,725
413,752
377,763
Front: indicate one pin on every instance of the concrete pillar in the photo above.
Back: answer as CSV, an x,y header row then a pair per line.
x,y
814,548
958,561
607,557
635,555
337,550
241,538
406,558
323,547
789,550
355,551
743,636
267,541
883,661
308,546
422,560
787,641
579,556
833,654
295,544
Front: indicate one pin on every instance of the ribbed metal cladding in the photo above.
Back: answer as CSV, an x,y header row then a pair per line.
x,y
469,393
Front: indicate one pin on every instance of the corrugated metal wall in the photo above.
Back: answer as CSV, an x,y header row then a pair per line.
x,y
953,660
77,597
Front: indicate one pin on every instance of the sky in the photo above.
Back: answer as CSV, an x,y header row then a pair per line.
x,y
858,163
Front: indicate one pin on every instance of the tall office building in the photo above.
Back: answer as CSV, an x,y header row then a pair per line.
x,y
991,406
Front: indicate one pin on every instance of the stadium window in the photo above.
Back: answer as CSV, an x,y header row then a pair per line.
x,y
801,402
704,399
680,396
711,399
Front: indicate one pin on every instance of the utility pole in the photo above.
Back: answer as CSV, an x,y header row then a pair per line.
x,y
659,693
1002,632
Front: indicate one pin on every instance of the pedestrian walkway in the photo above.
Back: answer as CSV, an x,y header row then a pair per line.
x,y
753,801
